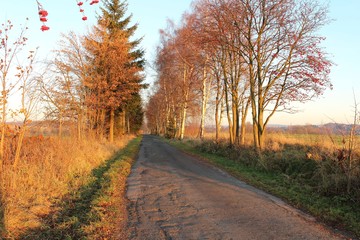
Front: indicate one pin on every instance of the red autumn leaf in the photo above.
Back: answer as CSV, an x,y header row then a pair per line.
x,y
84,18
43,19
80,3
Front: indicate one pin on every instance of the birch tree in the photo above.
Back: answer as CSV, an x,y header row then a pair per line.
x,y
284,57
11,72
223,41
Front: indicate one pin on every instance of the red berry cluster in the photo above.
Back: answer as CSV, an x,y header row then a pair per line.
x,y
43,17
43,13
94,2
80,4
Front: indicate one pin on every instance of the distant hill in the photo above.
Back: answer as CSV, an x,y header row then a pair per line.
x,y
328,128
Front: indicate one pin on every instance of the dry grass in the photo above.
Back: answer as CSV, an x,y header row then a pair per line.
x,y
276,140
49,169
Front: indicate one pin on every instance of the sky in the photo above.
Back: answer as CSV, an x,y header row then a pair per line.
x,y
342,37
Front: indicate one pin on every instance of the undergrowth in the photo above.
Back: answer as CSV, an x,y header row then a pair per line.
x,y
95,210
50,169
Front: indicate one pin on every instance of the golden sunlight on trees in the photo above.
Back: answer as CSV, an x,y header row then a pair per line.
x,y
115,64
15,74
112,80
89,91
63,86
256,55
95,80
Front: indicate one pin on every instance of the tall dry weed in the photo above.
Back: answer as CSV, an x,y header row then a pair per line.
x,y
330,160
49,169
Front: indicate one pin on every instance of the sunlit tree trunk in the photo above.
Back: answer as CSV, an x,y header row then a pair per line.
x,y
112,124
244,112
218,114
231,136
9,59
128,125
3,125
204,100
218,107
236,121
185,103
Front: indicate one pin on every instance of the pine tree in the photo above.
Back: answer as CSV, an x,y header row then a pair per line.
x,y
117,63
135,113
114,14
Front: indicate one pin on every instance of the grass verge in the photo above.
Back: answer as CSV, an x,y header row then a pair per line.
x,y
337,211
95,210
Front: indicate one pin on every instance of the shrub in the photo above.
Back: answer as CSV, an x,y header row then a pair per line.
x,y
317,165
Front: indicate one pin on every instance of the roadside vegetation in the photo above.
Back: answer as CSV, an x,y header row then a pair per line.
x,y
54,174
91,205
311,172
62,122
229,62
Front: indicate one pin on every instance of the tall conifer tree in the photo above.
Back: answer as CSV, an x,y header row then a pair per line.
x,y
114,13
117,66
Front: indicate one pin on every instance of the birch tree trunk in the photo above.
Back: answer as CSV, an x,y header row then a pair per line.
x,y
204,99
244,112
231,136
217,120
185,103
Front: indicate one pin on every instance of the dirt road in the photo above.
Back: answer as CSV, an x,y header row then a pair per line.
x,y
175,196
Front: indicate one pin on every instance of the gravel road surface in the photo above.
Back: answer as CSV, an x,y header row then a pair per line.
x,y
175,196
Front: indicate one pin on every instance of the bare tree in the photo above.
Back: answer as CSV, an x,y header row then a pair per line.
x,y
10,48
223,39
283,55
179,48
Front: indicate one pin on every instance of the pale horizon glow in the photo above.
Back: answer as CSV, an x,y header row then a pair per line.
x,y
341,43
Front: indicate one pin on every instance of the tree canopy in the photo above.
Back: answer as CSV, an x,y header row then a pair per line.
x,y
257,55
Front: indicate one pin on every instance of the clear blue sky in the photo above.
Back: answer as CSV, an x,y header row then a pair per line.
x,y
342,44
